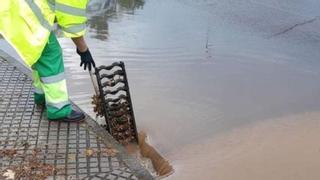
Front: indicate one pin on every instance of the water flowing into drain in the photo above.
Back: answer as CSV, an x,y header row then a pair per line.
x,y
159,163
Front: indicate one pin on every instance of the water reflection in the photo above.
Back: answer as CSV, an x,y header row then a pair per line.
x,y
99,27
131,5
99,7
100,11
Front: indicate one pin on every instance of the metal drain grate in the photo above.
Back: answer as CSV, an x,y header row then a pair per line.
x,y
116,101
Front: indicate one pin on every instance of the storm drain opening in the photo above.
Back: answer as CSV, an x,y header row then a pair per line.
x,y
113,102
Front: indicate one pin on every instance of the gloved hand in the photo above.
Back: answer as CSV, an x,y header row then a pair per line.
x,y
86,59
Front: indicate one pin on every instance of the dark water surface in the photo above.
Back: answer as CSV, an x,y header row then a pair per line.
x,y
198,68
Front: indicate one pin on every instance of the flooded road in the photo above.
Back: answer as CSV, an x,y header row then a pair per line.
x,y
218,86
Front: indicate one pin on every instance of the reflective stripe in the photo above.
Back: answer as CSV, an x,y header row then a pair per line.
x,y
75,28
70,10
36,82
56,92
58,105
53,79
37,12
37,90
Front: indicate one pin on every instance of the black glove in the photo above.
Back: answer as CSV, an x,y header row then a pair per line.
x,y
86,59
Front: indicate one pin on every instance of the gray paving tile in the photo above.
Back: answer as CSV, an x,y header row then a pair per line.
x,y
24,127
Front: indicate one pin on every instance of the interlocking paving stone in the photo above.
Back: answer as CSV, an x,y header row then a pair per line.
x,y
23,126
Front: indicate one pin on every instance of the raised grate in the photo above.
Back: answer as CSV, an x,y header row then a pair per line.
x,y
116,102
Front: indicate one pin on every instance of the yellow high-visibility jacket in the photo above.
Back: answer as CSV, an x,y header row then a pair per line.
x,y
26,24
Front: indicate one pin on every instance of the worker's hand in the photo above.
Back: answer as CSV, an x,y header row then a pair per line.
x,y
86,59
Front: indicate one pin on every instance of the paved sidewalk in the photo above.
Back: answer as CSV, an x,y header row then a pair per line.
x,y
30,145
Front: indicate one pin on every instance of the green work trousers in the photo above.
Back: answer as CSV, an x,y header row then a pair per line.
x,y
49,81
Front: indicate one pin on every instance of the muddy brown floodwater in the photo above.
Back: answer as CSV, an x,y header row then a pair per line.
x,y
281,148
224,89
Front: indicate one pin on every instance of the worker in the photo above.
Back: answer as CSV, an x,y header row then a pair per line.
x,y
28,26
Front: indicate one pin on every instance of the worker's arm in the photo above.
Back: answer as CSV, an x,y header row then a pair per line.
x,y
83,51
80,43
71,18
